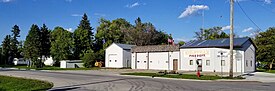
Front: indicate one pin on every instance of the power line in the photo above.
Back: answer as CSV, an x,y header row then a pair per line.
x,y
248,16
267,9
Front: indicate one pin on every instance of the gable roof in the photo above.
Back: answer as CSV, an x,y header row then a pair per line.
x,y
155,48
124,46
218,43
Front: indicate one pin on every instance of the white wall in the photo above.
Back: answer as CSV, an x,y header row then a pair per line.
x,y
249,63
212,54
126,58
157,60
114,52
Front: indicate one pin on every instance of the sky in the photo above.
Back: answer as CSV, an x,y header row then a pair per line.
x,y
180,18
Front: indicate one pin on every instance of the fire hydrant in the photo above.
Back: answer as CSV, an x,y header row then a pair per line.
x,y
198,74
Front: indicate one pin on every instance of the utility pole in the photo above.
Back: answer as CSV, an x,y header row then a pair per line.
x,y
231,37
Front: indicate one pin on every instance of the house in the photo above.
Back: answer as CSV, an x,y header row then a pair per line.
x,y
213,55
118,55
157,57
71,64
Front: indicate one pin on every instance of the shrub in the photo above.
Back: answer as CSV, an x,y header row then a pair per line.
x,y
89,59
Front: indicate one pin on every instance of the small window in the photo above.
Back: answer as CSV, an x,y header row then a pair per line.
x,y
251,63
223,62
110,60
207,62
144,61
191,62
137,61
115,60
246,63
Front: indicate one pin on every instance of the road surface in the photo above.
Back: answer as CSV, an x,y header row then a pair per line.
x,y
104,81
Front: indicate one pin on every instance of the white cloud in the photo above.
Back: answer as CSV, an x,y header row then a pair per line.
x,y
6,1
69,29
225,28
192,9
267,1
100,14
69,1
134,5
76,15
248,29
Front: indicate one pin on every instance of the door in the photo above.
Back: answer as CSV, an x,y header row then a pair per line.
x,y
112,60
199,65
175,64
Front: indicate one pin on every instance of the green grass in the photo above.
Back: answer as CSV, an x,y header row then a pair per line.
x,y
21,84
264,70
181,76
51,68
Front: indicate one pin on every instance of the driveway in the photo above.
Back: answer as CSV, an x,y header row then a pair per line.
x,y
261,76
107,81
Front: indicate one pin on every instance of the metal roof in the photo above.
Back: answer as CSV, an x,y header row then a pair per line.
x,y
155,48
124,46
223,43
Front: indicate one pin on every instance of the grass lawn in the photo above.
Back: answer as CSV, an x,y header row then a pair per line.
x,y
264,70
51,68
21,84
183,76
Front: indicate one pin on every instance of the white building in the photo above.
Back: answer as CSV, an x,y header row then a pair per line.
x,y
71,64
118,55
213,55
157,57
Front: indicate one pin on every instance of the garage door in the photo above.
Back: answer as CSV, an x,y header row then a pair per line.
x,y
141,61
112,60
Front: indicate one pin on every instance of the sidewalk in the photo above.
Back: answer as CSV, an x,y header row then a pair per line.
x,y
261,77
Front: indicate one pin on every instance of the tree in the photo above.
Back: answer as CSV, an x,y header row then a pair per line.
x,y
61,44
89,59
83,37
265,42
14,42
181,43
211,34
6,48
32,46
45,41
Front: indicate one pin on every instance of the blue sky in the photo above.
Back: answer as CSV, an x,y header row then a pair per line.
x,y
181,18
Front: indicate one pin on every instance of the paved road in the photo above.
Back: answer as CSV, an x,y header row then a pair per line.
x,y
102,81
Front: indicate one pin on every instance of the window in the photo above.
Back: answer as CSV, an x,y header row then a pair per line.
x,y
207,62
137,61
246,63
223,62
144,61
110,60
251,63
191,62
150,61
166,61
115,60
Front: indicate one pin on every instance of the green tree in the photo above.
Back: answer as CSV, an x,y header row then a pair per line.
x,y
14,42
45,41
61,44
83,37
265,42
181,43
6,48
32,46
211,34
89,59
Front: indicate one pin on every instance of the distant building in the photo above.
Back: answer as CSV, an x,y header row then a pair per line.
x,y
213,55
208,55
118,55
71,64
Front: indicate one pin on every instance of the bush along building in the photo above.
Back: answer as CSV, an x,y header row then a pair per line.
x,y
208,55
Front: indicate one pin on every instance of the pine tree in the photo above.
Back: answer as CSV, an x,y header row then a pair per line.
x,y
14,42
45,41
83,37
32,46
6,49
